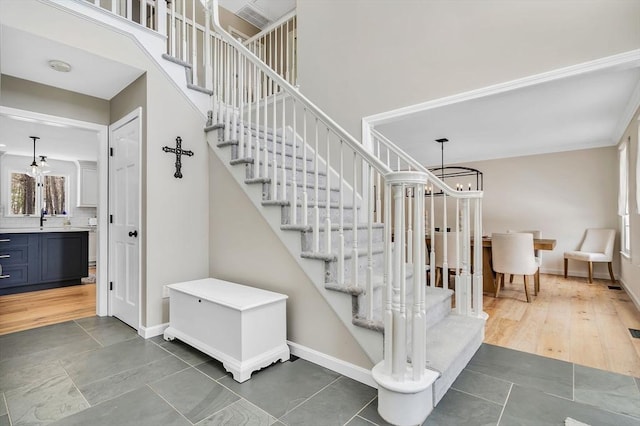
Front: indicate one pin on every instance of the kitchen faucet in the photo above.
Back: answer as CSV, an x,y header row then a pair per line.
x,y
42,219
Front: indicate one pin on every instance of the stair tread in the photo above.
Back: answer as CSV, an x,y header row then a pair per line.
x,y
252,160
261,179
311,204
200,89
334,227
448,338
176,60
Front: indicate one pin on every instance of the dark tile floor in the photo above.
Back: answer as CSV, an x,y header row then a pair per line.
x,y
97,371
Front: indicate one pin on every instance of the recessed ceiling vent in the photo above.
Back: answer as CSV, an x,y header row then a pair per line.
x,y
252,16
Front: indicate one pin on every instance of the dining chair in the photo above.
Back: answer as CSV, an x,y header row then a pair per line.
x,y
538,254
597,246
452,258
512,253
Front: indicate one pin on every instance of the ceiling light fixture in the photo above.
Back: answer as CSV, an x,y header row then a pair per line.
x,y
60,66
456,173
36,169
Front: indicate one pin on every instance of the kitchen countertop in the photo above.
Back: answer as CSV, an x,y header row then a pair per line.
x,y
43,229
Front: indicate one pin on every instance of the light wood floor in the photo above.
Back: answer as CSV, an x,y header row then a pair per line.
x,y
35,309
569,320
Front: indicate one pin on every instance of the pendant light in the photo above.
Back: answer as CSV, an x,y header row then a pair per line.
x,y
33,168
37,168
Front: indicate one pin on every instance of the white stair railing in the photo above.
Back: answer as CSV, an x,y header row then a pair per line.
x,y
144,12
276,46
443,208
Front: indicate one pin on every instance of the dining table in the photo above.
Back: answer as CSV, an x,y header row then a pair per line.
x,y
488,276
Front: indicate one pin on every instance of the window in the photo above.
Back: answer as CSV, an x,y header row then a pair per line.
x,y
55,195
23,194
623,197
31,194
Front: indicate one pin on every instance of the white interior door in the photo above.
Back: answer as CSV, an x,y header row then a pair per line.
x,y
124,218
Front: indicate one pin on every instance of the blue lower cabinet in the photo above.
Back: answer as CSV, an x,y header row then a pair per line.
x,y
38,261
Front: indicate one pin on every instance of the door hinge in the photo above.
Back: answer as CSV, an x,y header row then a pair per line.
x,y
110,218
111,285
111,152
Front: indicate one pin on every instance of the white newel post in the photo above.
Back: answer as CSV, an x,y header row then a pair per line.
x,y
405,389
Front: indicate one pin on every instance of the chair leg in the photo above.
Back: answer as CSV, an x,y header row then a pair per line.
x,y
590,272
537,282
496,283
438,276
566,263
526,290
511,279
613,279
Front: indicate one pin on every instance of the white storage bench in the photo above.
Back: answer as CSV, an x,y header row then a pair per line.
x,y
242,327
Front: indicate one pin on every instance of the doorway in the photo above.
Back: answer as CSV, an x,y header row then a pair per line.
x,y
95,135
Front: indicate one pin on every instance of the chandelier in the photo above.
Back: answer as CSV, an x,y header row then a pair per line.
x,y
465,178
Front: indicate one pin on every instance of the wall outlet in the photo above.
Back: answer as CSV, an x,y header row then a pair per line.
x,y
165,291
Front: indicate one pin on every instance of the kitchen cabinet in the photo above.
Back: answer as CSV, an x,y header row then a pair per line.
x,y
87,184
42,260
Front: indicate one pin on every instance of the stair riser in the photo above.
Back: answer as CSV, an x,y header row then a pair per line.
x,y
437,312
334,215
331,268
442,385
258,171
363,237
252,171
311,195
288,144
288,159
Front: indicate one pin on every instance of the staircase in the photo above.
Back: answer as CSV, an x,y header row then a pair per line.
x,y
355,218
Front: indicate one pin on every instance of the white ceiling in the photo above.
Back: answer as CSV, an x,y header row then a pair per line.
x,y
270,9
26,56
576,112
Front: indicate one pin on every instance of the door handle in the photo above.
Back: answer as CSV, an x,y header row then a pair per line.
x,y
133,234
5,256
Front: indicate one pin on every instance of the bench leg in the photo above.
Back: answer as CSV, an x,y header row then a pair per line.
x,y
566,263
590,272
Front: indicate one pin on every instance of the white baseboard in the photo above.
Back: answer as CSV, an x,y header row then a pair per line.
x,y
573,273
632,296
156,330
352,371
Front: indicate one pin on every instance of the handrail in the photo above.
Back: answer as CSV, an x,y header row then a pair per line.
x,y
293,92
271,27
432,177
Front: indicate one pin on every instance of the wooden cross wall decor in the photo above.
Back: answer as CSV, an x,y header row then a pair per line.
x,y
179,153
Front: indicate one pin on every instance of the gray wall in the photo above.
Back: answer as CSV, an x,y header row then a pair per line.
x,y
32,96
561,194
363,57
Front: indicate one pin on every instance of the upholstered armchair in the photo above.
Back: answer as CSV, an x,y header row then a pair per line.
x,y
597,246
